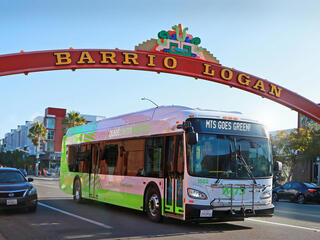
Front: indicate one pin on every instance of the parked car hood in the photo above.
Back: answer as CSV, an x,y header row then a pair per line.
x,y
13,187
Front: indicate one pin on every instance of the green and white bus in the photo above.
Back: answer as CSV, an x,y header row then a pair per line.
x,y
172,161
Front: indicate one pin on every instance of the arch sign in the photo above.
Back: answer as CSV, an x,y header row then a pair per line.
x,y
174,52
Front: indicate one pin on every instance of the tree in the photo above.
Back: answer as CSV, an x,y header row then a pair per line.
x,y
73,119
287,146
16,159
37,132
313,150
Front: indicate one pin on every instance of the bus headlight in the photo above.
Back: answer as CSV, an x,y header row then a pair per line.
x,y
266,194
196,194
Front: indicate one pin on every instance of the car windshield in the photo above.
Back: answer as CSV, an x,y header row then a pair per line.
x,y
11,177
218,156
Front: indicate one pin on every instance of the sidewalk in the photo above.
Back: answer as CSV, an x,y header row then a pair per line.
x,y
44,178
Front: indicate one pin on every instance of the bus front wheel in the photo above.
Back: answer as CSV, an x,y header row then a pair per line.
x,y
153,204
77,194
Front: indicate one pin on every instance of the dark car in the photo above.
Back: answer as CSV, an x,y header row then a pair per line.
x,y
300,192
16,191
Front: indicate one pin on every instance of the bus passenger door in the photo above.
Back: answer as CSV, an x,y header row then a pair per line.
x,y
94,177
179,175
173,192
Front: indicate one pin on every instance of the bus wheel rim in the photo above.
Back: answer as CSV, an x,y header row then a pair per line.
x,y
77,192
154,205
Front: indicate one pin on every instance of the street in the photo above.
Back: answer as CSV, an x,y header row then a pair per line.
x,y
59,217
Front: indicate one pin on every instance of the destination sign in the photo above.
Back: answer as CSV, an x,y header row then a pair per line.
x,y
221,126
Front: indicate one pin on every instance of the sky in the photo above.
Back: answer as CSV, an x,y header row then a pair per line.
x,y
274,40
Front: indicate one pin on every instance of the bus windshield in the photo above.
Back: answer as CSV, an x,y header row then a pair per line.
x,y
217,156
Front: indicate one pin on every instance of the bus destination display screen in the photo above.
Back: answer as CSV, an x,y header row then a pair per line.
x,y
221,126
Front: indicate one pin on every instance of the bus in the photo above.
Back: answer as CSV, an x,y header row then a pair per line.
x,y
172,161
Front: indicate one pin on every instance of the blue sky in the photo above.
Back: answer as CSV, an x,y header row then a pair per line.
x,y
275,40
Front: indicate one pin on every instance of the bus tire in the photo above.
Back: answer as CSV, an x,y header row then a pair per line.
x,y
77,193
153,204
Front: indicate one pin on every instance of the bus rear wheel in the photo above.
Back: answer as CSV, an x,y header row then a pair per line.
x,y
153,205
77,194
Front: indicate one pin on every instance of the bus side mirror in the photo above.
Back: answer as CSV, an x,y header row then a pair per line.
x,y
277,166
192,138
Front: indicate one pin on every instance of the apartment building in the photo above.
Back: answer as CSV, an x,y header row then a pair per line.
x,y
50,151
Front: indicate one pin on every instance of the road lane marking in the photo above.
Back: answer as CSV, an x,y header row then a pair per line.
x,y
284,225
76,216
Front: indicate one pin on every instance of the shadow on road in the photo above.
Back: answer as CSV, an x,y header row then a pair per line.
x,y
128,223
125,223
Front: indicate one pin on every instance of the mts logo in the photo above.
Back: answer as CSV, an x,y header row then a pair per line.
x,y
226,191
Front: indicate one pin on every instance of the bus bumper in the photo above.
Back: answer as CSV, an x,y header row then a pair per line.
x,y
201,212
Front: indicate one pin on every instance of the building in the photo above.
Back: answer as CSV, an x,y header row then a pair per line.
x,y
50,151
52,147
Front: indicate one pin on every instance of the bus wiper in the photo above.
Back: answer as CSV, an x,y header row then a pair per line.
x,y
239,156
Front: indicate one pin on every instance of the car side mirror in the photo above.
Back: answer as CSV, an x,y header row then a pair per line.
x,y
30,179
277,167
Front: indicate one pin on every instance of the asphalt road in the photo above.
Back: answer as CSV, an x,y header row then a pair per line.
x,y
58,217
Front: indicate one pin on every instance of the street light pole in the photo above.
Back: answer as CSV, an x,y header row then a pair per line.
x,y
150,101
37,158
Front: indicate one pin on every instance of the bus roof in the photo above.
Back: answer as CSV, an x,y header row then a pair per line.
x,y
159,120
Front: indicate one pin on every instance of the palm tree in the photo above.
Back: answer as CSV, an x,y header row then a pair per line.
x,y
37,132
73,119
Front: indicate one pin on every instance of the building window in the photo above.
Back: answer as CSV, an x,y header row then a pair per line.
x,y
50,135
49,147
50,123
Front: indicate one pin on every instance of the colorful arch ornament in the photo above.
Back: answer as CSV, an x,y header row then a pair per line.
x,y
174,52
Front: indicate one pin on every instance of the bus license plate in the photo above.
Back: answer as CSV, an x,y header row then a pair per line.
x,y
206,213
12,202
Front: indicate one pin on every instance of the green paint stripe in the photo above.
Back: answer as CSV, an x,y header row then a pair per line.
x,y
88,128
87,136
120,198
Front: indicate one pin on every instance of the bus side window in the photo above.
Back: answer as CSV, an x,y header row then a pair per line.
x,y
84,158
134,153
103,168
121,167
72,158
153,157
110,156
